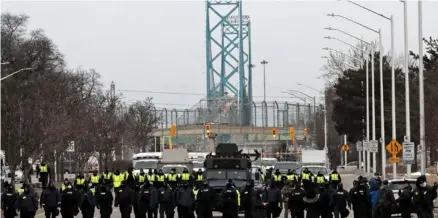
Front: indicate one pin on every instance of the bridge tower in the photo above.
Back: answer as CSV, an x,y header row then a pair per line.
x,y
228,56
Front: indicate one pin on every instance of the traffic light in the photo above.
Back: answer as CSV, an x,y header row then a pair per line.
x,y
305,132
274,132
291,133
172,130
207,129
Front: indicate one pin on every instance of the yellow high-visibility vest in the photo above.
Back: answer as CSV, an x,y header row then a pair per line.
x,y
185,176
160,178
320,179
305,176
172,177
43,169
334,177
117,181
200,177
107,176
195,192
140,178
238,197
20,190
277,178
80,181
94,179
151,178
63,187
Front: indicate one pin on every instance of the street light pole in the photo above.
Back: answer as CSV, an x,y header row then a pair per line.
x,y
15,73
421,83
264,79
382,112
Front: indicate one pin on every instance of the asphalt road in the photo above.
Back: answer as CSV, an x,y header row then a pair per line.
x,y
347,178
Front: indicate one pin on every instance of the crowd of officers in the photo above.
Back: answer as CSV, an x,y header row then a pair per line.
x,y
154,193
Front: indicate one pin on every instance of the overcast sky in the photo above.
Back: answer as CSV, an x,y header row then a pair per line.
x,y
160,45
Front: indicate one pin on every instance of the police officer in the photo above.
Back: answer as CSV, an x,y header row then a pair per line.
x,y
27,204
291,176
340,200
167,201
80,182
129,178
69,202
21,190
230,201
87,202
107,178
360,200
161,179
306,178
143,201
277,179
43,171
205,197
95,179
199,178
405,200
104,201
50,200
151,176
124,200
117,181
65,184
257,204
320,179
295,201
423,198
172,178
185,177
136,196
185,200
335,179
141,178
8,201
325,200
246,199
272,198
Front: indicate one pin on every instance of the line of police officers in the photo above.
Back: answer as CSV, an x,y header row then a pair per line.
x,y
152,193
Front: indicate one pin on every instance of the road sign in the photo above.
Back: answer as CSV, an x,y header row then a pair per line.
x,y
408,153
359,146
374,146
345,147
71,147
394,159
394,147
366,146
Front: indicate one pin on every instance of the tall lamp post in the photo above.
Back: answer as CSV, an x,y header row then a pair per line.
x,y
382,115
421,84
264,79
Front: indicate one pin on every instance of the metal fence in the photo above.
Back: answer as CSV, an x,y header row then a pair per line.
x,y
227,112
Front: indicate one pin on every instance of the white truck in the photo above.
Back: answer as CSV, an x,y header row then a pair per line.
x,y
314,161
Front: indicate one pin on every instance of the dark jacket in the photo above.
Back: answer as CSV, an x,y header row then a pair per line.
x,y
166,196
50,198
88,196
27,202
185,197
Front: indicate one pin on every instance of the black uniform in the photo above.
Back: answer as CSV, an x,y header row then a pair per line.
x,y
272,197
27,204
43,171
311,203
124,200
8,202
185,200
296,202
246,200
258,208
104,202
423,198
324,200
229,199
50,200
69,202
148,201
340,200
166,198
87,203
405,201
360,200
204,200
